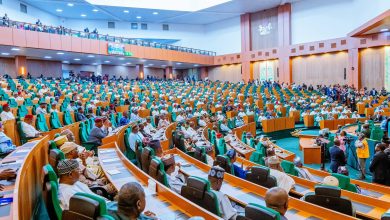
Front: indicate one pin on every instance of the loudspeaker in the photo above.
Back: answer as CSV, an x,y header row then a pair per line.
x,y
345,73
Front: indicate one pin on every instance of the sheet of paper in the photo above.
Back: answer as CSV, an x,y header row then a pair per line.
x,y
113,171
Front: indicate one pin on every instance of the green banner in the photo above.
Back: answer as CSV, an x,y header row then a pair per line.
x,y
117,49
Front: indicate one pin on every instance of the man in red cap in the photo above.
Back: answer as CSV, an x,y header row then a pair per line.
x,y
6,114
98,132
27,128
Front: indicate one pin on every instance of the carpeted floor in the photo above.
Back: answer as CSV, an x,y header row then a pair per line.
x,y
286,141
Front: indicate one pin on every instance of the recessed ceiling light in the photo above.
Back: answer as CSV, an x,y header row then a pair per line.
x,y
91,56
65,61
59,10
83,15
128,63
163,65
47,57
155,13
70,4
94,64
196,65
107,61
60,53
384,29
138,17
77,59
142,60
5,54
15,49
95,10
121,58
151,64
126,11
178,63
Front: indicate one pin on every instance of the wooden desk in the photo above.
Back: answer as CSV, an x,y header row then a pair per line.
x,y
278,124
165,204
248,119
311,154
242,149
308,120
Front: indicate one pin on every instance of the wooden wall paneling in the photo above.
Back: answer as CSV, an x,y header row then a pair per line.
x,y
85,45
19,37
264,29
47,68
43,40
6,36
94,46
55,42
7,66
326,69
103,47
32,39
373,67
77,44
66,43
245,24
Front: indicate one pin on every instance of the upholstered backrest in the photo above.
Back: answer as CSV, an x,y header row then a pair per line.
x,y
260,175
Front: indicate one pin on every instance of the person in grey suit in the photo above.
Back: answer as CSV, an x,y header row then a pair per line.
x,y
98,132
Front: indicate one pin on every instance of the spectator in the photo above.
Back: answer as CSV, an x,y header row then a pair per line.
x,y
69,184
27,128
215,178
131,203
97,133
380,166
5,20
366,130
362,153
276,198
6,114
337,157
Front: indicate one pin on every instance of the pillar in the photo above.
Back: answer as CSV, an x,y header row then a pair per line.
x,y
354,70
284,41
204,72
21,66
246,46
169,72
139,69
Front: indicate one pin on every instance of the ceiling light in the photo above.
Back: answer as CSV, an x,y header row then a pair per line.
x,y
163,65
15,49
128,63
76,59
121,58
151,64
196,65
59,10
126,11
142,60
178,63
155,13
94,64
138,17
95,10
5,54
70,4
83,15
107,61
47,57
60,53
384,29
65,61
91,56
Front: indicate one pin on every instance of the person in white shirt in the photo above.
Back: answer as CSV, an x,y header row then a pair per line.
x,y
241,113
215,177
302,172
180,117
41,109
53,107
19,97
176,180
220,116
224,127
71,106
188,131
134,137
6,114
202,122
163,122
355,115
149,129
203,112
134,116
163,110
27,128
69,184
155,111
284,181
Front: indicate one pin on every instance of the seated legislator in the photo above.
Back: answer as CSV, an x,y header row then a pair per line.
x,y
87,174
284,180
238,171
41,109
276,198
125,119
80,114
224,128
135,136
131,203
69,184
6,114
149,129
176,180
202,123
215,177
302,172
6,145
163,122
27,127
98,132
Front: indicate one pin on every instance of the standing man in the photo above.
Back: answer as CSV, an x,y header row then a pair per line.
x,y
380,166
337,157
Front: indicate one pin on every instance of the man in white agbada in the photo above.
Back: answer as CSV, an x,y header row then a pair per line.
x,y
302,172
27,127
135,136
176,180
283,180
220,116
202,122
149,129
6,114
215,178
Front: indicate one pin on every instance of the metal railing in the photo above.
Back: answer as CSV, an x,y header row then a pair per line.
x,y
95,36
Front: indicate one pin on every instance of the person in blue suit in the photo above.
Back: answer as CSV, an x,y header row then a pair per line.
x,y
337,157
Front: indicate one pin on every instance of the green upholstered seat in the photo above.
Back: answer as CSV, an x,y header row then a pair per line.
x,y
55,121
345,182
40,123
289,167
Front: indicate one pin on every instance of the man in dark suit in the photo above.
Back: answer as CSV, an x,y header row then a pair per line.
x,y
80,114
98,132
380,166
337,157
